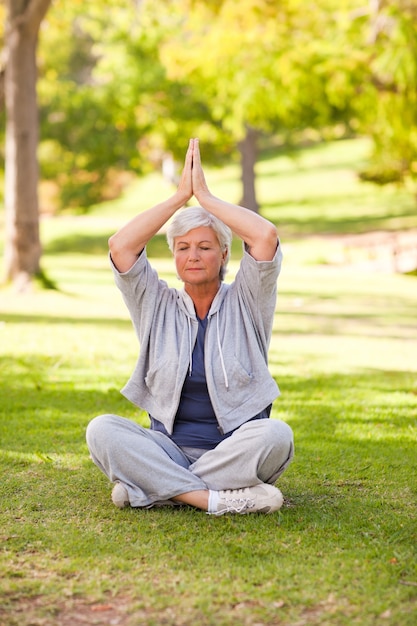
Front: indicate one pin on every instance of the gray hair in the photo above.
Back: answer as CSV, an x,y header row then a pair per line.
x,y
194,217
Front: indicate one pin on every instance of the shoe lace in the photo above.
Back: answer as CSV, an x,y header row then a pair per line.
x,y
234,504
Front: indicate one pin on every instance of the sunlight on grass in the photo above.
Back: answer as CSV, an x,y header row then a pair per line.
x,y
341,551
67,461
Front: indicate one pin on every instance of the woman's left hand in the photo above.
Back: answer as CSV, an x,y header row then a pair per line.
x,y
200,188
185,186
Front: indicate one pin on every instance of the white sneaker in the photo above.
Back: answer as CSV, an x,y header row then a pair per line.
x,y
262,498
120,496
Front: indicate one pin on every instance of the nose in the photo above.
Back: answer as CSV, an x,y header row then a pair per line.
x,y
194,253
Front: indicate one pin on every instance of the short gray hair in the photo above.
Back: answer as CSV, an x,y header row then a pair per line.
x,y
194,217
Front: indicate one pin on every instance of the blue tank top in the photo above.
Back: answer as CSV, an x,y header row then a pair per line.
x,y
195,423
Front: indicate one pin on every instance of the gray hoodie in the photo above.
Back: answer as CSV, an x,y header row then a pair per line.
x,y
236,343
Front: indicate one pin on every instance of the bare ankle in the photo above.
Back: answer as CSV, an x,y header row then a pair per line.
x,y
199,499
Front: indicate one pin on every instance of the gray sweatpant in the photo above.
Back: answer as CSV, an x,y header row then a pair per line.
x,y
153,468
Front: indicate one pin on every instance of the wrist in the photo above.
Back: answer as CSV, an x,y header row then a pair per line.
x,y
179,199
203,196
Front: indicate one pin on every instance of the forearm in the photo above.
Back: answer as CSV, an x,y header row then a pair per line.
x,y
259,234
128,242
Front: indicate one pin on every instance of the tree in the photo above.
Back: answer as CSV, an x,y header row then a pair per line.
x,y
87,109
22,245
387,106
120,88
106,104
260,66
222,60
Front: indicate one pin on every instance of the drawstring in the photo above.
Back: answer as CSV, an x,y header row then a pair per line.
x,y
226,381
190,348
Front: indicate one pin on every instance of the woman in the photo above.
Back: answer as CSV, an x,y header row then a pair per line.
x,y
202,371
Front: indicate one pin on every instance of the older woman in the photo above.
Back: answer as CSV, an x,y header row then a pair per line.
x,y
202,372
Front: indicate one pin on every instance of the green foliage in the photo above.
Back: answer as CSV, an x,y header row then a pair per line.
x,y
107,106
122,84
87,116
277,67
387,105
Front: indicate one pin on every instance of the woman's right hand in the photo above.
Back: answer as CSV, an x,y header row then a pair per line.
x,y
185,186
200,188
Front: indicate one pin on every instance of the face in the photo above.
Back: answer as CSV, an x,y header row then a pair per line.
x,y
198,257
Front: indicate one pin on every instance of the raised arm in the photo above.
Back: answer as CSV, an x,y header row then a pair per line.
x,y
127,244
259,234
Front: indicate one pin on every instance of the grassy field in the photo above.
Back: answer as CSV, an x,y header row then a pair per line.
x,y
343,549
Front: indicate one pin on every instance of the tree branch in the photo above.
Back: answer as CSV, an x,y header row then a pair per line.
x,y
31,17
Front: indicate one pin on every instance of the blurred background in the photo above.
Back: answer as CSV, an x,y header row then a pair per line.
x,y
96,95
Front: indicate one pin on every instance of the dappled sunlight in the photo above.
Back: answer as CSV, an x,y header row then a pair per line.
x,y
78,301
350,426
343,353
377,430
317,191
332,322
306,353
25,459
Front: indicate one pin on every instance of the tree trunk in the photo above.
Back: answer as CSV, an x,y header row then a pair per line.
x,y
248,149
22,245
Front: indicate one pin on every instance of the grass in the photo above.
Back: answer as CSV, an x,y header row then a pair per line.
x,y
343,548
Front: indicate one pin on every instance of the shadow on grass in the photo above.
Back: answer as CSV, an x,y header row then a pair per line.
x,y
325,150
92,244
19,318
347,325
79,243
97,245
355,461
370,408
302,226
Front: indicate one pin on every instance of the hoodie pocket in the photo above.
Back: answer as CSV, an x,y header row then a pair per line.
x,y
239,374
161,377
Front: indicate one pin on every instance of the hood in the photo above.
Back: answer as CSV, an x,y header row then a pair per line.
x,y
186,303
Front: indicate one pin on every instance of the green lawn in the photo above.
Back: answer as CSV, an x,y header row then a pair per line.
x,y
343,549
